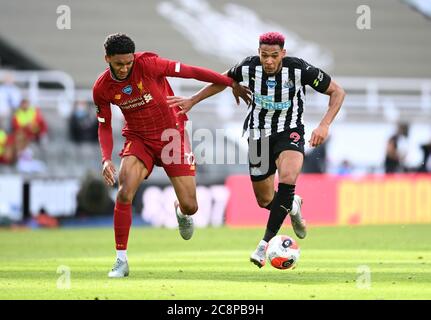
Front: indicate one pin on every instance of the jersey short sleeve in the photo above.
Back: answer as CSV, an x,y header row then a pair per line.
x,y
236,71
316,78
103,106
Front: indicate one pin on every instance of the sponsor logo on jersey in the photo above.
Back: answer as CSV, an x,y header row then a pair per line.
x,y
267,102
136,102
271,83
127,89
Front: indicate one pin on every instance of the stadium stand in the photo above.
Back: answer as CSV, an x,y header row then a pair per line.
x,y
397,46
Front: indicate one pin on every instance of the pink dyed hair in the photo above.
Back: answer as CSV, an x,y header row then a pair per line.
x,y
272,38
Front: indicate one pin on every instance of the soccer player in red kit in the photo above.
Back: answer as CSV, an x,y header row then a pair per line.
x,y
136,83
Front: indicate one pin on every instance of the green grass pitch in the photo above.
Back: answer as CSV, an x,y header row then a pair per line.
x,y
214,264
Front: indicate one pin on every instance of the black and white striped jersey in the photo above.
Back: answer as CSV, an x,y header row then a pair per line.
x,y
278,100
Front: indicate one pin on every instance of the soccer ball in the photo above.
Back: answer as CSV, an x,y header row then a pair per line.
x,y
282,252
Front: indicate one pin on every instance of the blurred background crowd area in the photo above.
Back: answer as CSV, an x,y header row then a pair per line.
x,y
48,124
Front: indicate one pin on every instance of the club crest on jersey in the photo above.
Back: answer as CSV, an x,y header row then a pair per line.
x,y
140,86
288,84
127,90
271,83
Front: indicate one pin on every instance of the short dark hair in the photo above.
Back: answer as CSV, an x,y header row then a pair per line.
x,y
272,38
118,43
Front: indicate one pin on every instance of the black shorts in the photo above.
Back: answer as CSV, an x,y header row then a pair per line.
x,y
264,152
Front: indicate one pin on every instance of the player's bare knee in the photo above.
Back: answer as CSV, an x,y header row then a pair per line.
x,y
189,208
124,195
263,201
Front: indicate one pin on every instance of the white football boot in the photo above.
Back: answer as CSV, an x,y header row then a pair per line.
x,y
185,223
258,257
119,270
298,223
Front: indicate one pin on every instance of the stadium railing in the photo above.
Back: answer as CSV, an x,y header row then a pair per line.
x,y
368,99
32,84
366,94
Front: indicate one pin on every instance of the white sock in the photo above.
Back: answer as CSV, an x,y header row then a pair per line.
x,y
182,215
262,243
122,255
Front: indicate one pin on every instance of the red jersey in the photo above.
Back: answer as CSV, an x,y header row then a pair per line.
x,y
142,97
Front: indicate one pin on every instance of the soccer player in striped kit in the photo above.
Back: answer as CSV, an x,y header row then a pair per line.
x,y
137,84
275,127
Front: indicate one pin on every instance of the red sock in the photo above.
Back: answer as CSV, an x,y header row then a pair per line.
x,y
122,223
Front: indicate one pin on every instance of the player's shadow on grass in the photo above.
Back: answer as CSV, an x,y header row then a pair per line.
x,y
303,277
282,276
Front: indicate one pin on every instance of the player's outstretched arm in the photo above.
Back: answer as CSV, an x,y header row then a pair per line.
x,y
186,103
181,70
336,94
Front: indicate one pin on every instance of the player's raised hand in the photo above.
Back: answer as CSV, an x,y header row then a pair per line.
x,y
242,92
185,103
109,172
319,135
